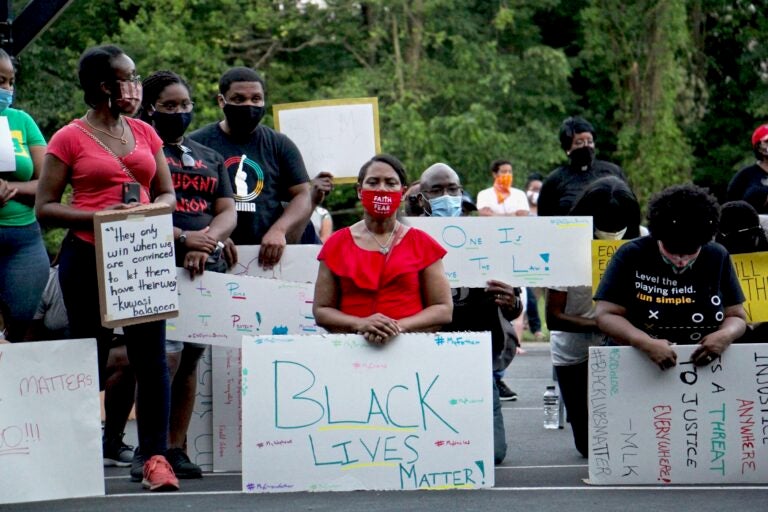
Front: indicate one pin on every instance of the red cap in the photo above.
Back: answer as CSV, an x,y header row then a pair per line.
x,y
760,134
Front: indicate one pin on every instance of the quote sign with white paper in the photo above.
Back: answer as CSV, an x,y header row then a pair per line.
x,y
298,263
336,136
335,413
219,309
684,425
520,251
136,265
8,147
49,413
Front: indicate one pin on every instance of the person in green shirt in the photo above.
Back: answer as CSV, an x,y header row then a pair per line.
x,y
23,259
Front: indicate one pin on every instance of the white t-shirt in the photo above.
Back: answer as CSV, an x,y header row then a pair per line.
x,y
516,200
570,348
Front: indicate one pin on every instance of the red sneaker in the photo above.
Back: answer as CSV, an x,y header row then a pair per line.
x,y
159,476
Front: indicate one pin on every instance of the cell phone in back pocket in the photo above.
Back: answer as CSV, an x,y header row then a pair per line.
x,y
131,193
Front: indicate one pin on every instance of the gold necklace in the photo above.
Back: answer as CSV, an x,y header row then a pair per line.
x,y
121,138
385,247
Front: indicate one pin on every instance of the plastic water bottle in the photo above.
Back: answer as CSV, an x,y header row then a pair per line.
x,y
551,408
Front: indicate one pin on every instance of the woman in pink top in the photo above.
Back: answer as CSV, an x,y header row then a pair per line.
x,y
87,153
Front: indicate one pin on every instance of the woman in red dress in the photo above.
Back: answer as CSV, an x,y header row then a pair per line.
x,y
378,277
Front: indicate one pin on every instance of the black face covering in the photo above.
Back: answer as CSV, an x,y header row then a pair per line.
x,y
582,157
243,119
171,127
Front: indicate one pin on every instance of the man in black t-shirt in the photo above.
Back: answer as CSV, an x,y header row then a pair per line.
x,y
566,183
265,167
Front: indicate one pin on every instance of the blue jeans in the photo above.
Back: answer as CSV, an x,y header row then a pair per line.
x,y
23,276
499,435
145,343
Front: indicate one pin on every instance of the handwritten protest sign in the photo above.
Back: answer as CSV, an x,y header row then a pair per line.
x,y
521,251
680,426
135,265
200,431
752,271
49,410
219,309
335,413
8,147
298,263
336,136
227,409
602,252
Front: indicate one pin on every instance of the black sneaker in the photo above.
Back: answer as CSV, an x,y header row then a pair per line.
x,y
505,394
182,466
116,452
137,466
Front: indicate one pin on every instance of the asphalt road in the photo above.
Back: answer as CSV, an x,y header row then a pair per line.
x,y
542,472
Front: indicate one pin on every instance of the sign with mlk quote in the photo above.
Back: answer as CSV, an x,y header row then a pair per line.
x,y
335,413
684,425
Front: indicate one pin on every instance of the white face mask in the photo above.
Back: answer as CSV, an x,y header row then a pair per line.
x,y
533,196
607,235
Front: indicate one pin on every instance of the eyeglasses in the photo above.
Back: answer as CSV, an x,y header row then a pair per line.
x,y
135,79
171,107
187,160
751,230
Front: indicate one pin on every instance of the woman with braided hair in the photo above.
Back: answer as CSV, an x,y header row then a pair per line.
x,y
204,218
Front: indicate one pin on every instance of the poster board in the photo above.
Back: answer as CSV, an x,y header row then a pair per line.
x,y
521,251
335,413
685,425
298,263
49,411
200,430
337,136
227,409
136,265
219,309
752,271
8,147
602,252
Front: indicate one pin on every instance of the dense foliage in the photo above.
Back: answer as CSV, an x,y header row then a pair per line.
x,y
674,87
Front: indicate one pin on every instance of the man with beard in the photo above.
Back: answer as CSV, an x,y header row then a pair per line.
x,y
564,185
270,182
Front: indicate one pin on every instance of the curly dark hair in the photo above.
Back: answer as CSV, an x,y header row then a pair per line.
x,y
683,218
612,206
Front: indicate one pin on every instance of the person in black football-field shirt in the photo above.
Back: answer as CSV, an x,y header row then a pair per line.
x,y
265,167
202,222
675,286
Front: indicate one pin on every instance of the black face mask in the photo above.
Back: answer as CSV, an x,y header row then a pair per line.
x,y
243,119
582,157
171,127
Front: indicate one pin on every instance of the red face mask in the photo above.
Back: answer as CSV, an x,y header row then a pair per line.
x,y
130,96
381,204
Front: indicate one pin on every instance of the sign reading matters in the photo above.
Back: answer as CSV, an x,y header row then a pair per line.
x,y
335,413
49,414
684,425
136,265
